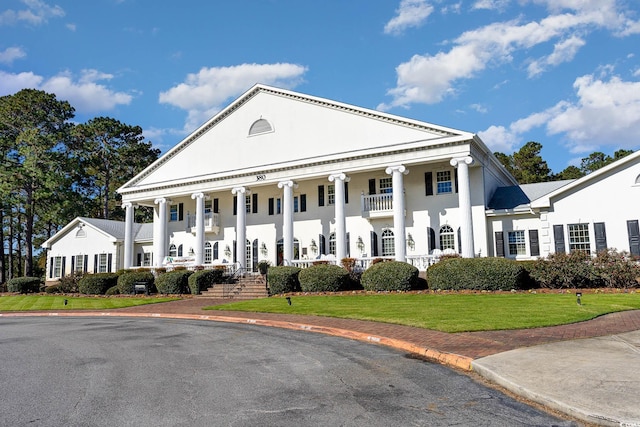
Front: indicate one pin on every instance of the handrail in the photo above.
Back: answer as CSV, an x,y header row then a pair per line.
x,y
229,284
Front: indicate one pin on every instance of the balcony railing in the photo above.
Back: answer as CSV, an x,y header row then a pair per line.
x,y
211,222
377,205
421,262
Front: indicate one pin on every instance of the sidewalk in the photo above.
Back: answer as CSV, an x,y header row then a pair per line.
x,y
588,370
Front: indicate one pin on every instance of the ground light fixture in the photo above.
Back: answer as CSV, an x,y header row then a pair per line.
x,y
289,300
579,298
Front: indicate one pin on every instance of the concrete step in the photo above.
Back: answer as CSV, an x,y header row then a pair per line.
x,y
249,287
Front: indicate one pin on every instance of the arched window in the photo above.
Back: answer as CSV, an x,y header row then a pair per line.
x,y
638,179
81,233
388,243
332,243
180,250
447,238
173,251
208,254
260,126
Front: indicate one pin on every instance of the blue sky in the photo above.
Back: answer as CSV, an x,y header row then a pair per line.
x,y
565,73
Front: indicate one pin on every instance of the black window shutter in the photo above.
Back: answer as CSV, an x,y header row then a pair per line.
x,y
254,203
234,252
499,244
109,261
95,263
428,183
459,241
321,243
271,205
303,203
51,267
346,192
534,243
64,264
180,211
348,244
601,236
139,264
431,238
235,205
320,195
455,178
374,244
558,238
73,264
372,186
633,230
86,263
215,250
254,261
216,205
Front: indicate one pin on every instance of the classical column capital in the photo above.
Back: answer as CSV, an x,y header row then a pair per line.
x,y
239,190
199,196
459,160
339,176
288,183
161,200
126,205
396,168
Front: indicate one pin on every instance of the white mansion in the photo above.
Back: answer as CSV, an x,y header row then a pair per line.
x,y
289,178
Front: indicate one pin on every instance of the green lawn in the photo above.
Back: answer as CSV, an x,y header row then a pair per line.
x,y
56,302
450,312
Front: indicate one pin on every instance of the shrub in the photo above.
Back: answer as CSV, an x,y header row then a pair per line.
x,y
97,284
201,280
24,285
561,270
53,289
114,290
390,276
283,279
323,278
616,269
490,274
127,281
69,284
173,282
263,266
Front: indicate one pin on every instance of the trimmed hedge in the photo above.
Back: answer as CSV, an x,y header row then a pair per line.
x,y
323,278
485,274
174,282
390,276
128,279
24,285
97,284
201,280
283,279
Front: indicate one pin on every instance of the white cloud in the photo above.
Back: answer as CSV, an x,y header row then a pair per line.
x,y
204,93
431,77
37,12
491,4
84,94
411,13
499,138
604,113
479,108
10,54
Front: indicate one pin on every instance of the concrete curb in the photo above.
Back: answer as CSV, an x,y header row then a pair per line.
x,y
448,359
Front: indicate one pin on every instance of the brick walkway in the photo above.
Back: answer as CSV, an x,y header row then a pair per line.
x,y
468,344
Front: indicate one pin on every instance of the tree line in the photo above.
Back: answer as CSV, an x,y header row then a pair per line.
x,y
53,170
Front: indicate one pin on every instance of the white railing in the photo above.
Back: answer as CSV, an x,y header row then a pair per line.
x,y
377,202
211,220
421,262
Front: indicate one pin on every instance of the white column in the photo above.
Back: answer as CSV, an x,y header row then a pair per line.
x,y
160,231
128,234
241,225
464,204
199,249
287,220
341,226
399,237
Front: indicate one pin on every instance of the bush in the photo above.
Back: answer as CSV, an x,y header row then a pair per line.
x,y
323,278
69,284
24,285
201,280
561,270
174,282
127,281
97,284
53,289
283,279
114,290
390,276
616,269
487,274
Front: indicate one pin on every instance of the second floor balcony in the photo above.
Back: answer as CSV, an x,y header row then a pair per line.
x,y
211,223
377,205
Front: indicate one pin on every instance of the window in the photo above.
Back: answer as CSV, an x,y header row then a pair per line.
x,y
173,213
388,243
57,266
517,243
247,204
173,251
207,253
260,126
102,263
447,237
78,268
579,238
332,243
207,207
278,206
300,203
386,185
443,182
146,259
81,233
331,194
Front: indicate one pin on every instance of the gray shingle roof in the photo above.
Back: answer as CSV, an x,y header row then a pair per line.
x,y
116,228
521,195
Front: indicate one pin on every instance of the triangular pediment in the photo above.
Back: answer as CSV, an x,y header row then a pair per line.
x,y
268,128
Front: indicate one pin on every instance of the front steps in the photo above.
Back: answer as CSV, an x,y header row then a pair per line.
x,y
247,287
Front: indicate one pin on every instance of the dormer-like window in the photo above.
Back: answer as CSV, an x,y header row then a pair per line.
x,y
260,126
81,233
